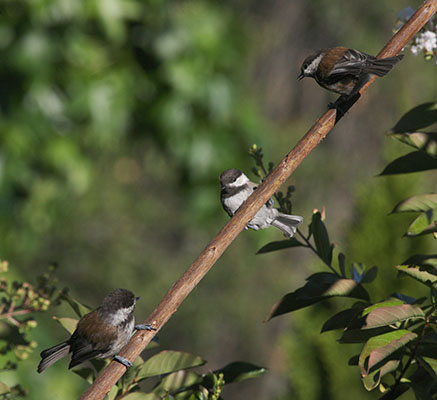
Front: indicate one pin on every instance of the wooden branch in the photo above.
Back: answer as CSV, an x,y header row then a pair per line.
x,y
182,288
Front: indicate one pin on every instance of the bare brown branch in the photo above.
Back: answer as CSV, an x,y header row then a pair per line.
x,y
181,289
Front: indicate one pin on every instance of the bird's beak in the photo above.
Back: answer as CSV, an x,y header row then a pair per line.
x,y
137,298
301,76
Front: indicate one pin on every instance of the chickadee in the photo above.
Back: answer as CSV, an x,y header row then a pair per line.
x,y
236,188
344,71
99,334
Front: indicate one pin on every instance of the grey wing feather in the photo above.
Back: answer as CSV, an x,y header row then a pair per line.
x,y
352,63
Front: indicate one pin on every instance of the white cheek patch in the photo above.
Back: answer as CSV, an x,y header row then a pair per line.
x,y
314,64
121,315
240,181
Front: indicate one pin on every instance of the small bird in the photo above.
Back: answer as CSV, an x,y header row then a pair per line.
x,y
236,188
345,71
99,334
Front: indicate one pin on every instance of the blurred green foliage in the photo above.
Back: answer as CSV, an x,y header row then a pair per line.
x,y
116,118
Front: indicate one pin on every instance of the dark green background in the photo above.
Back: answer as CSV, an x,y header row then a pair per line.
x,y
116,119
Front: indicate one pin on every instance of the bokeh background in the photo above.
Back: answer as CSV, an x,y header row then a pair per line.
x,y
116,119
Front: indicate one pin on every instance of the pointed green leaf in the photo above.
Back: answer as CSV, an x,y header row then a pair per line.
x,y
239,371
379,348
430,365
370,275
383,316
79,308
166,362
372,380
428,260
423,224
321,238
412,162
319,287
67,323
341,320
85,373
391,302
177,380
426,141
417,118
142,396
423,202
279,245
418,273
352,335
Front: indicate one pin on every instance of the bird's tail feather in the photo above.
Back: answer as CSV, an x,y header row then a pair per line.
x,y
287,223
52,355
382,66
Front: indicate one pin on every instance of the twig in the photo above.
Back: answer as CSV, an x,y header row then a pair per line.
x,y
189,280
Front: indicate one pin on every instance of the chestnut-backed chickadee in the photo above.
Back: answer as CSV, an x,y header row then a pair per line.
x,y
344,71
99,334
236,188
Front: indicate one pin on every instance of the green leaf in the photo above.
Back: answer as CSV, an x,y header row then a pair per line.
x,y
321,238
418,273
426,141
379,348
67,323
423,224
142,396
417,118
412,162
384,316
391,302
85,373
427,260
79,308
279,245
166,362
319,287
352,335
430,365
175,381
341,320
370,275
372,380
239,371
423,202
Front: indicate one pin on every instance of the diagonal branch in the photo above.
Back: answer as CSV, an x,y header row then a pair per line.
x,y
189,280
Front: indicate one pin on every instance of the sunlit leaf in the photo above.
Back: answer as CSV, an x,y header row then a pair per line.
x,y
166,362
279,245
423,224
419,273
412,162
417,118
142,396
239,371
177,380
379,348
321,238
391,302
423,202
383,316
319,287
429,260
67,323
372,380
426,141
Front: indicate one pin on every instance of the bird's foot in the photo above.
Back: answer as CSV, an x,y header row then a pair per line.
x,y
123,361
145,327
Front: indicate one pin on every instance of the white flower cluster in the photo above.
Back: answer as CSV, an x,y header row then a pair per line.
x,y
425,41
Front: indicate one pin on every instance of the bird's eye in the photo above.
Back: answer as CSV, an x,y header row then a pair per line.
x,y
305,66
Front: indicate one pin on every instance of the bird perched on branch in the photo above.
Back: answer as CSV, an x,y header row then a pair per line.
x,y
101,333
344,71
236,188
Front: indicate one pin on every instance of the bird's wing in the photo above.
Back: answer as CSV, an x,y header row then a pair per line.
x,y
352,62
85,346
